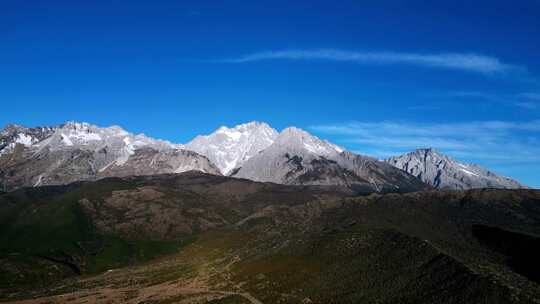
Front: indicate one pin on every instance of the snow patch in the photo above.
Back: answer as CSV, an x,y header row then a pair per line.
x,y
233,133
7,148
38,182
228,148
229,166
66,141
468,172
127,152
185,168
24,139
85,136
464,168
107,166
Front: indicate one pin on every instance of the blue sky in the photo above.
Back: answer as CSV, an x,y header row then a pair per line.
x,y
378,77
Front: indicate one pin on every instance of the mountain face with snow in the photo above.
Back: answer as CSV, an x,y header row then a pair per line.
x,y
12,135
80,151
299,158
229,148
444,172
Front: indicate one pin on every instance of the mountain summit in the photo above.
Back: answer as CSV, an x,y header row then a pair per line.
x,y
441,171
229,148
299,158
80,151
76,151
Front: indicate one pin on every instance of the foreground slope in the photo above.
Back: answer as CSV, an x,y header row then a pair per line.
x,y
230,240
444,172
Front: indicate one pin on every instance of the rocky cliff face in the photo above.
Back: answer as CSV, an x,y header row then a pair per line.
x,y
148,161
443,172
299,158
12,135
79,151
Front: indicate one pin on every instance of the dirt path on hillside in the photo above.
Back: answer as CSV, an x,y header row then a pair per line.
x,y
194,290
161,292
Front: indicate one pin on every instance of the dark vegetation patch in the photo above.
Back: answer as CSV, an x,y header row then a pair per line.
x,y
362,265
300,244
45,236
522,250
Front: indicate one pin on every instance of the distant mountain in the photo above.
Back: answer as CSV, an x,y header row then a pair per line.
x,y
441,171
299,158
229,148
12,135
80,151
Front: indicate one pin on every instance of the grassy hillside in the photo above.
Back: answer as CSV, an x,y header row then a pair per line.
x,y
45,235
196,238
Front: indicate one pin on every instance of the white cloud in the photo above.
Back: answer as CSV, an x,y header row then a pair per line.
x,y
455,61
497,142
527,100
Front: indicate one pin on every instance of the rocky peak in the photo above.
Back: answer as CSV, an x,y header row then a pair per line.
x,y
12,128
77,151
13,134
296,138
228,147
442,171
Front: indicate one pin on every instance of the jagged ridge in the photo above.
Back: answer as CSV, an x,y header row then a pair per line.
x,y
80,151
441,171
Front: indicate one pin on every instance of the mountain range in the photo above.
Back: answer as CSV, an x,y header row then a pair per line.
x,y
81,151
252,215
73,151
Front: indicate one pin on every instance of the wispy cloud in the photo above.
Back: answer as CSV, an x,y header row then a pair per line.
x,y
478,95
455,61
498,142
526,100
530,96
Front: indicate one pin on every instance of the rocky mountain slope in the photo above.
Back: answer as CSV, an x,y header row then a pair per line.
x,y
299,158
444,172
226,240
80,151
229,148
12,135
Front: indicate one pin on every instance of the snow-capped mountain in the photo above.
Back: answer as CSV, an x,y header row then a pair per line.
x,y
12,135
297,157
229,148
443,172
81,151
120,143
